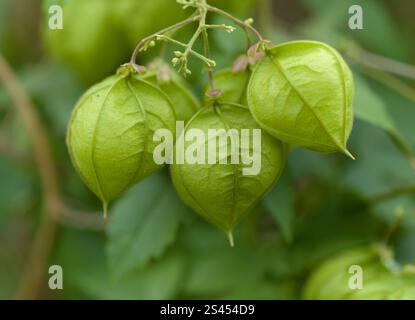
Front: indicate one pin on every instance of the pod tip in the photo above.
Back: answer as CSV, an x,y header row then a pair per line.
x,y
348,153
230,238
105,210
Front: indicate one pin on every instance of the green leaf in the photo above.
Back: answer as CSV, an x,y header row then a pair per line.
x,y
214,273
158,281
265,290
229,43
280,202
405,241
54,90
336,220
400,108
380,32
379,166
371,108
15,189
327,21
217,271
143,224
82,257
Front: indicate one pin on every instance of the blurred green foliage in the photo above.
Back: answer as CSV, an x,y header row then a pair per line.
x,y
98,35
154,247
379,282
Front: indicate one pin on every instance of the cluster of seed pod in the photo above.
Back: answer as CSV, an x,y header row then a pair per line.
x,y
299,93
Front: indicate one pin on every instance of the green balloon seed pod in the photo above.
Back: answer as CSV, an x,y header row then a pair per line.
x,y
302,93
110,134
184,101
331,279
221,193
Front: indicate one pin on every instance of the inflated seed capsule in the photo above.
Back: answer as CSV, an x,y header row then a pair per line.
x,y
110,134
212,178
302,93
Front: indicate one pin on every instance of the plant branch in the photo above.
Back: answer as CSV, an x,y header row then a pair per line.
x,y
200,14
239,22
207,54
224,27
182,57
33,275
390,194
152,37
392,82
27,112
53,207
206,60
379,62
81,219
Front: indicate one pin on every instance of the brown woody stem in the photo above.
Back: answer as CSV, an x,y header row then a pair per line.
x,y
53,205
33,275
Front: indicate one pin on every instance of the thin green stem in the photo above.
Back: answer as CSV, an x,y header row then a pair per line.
x,y
200,14
392,82
375,61
189,47
209,62
390,194
248,39
225,27
239,22
163,31
207,54
195,36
